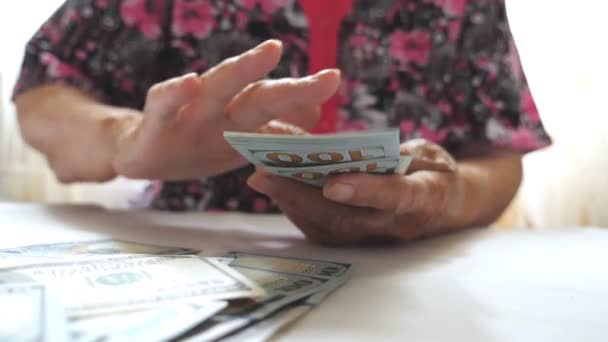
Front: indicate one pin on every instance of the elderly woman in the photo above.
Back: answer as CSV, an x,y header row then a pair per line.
x,y
146,88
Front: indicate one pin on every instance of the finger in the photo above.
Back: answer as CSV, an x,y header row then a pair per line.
x,y
352,228
166,98
278,127
363,190
424,164
321,233
427,156
339,221
226,80
273,99
396,193
305,118
311,230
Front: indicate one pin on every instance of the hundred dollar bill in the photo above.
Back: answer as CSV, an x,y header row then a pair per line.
x,y
285,280
92,286
265,329
274,150
161,324
281,290
95,247
29,312
312,159
290,265
318,175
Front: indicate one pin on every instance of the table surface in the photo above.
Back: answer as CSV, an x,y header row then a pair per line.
x,y
481,285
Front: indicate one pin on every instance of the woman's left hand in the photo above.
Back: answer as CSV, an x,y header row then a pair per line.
x,y
364,208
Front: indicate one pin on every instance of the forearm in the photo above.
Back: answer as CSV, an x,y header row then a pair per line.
x,y
76,133
484,188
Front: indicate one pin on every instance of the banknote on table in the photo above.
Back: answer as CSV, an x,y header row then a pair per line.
x,y
113,295
290,265
92,247
90,286
30,312
281,290
263,330
312,159
159,324
285,280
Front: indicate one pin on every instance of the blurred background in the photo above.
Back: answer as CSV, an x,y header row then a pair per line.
x,y
564,54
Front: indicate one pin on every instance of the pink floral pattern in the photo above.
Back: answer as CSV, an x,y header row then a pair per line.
x,y
57,68
528,106
451,7
135,13
194,17
411,47
444,70
268,6
523,139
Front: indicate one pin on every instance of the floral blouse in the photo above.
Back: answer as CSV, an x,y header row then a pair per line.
x,y
444,70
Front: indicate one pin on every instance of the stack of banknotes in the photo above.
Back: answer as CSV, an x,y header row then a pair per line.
x,y
312,159
119,291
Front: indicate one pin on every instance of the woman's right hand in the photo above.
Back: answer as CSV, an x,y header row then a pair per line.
x,y
180,134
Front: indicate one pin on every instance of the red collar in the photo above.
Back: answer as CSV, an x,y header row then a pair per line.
x,y
324,19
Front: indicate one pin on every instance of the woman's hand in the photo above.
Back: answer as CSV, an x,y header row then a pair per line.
x,y
180,135
363,208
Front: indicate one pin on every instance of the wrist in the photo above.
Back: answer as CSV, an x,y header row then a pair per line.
x,y
469,195
115,125
448,206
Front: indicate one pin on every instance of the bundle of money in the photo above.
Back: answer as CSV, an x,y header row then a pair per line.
x,y
312,159
121,291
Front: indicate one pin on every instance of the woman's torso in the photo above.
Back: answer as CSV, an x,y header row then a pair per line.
x,y
436,69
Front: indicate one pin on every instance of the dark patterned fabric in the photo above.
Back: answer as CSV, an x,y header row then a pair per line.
x,y
444,70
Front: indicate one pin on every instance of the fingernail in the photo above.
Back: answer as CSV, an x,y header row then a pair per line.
x,y
260,183
277,42
269,41
340,192
190,75
323,73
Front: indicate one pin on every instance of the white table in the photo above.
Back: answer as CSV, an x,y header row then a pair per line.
x,y
482,285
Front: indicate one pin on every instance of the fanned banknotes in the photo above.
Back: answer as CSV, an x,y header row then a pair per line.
x,y
102,292
286,282
312,159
